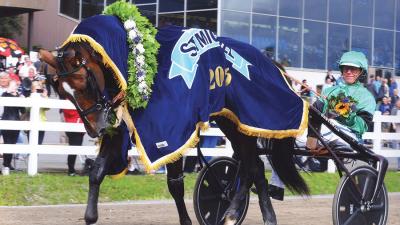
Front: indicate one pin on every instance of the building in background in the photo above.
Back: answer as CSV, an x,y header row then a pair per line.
x,y
308,36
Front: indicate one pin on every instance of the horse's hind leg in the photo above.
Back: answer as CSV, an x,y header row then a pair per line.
x,y
264,201
243,151
176,188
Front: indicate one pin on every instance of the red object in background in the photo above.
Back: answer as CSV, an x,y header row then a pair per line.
x,y
9,47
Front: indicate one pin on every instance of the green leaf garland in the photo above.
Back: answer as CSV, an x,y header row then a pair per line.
x,y
138,94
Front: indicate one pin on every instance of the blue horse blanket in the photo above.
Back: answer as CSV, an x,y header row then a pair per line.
x,y
199,75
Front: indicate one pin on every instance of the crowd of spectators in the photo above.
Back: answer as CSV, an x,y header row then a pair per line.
x,y
20,80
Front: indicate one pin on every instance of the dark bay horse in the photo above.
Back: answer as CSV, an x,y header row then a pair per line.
x,y
83,78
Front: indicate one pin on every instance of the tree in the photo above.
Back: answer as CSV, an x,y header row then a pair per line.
x,y
10,26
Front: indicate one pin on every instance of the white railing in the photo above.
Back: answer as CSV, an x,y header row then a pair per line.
x,y
378,136
35,102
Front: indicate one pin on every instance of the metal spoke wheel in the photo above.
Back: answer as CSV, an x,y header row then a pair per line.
x,y
351,206
215,187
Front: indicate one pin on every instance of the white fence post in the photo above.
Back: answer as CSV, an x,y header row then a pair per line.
x,y
331,166
377,141
34,134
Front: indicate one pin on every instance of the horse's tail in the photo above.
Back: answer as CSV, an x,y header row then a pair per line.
x,y
284,165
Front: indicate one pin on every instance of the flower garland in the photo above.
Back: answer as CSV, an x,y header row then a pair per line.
x,y
143,49
341,104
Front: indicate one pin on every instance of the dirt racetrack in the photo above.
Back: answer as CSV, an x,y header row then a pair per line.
x,y
292,211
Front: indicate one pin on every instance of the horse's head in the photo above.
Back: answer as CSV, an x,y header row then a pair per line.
x,y
80,78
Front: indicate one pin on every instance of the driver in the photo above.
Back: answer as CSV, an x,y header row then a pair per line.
x,y
348,105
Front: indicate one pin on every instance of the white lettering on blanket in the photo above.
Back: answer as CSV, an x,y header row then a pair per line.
x,y
191,45
162,144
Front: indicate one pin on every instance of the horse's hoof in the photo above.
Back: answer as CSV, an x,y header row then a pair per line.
x,y
229,220
270,223
90,219
186,222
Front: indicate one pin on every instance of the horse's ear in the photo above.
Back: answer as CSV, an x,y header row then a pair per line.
x,y
48,58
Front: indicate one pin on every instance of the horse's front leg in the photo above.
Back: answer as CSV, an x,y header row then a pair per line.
x,y
96,176
176,188
97,173
264,201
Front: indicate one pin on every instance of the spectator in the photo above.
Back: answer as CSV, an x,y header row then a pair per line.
x,y
31,74
395,96
4,81
396,126
11,113
13,75
385,106
305,90
377,85
384,87
370,86
74,138
328,83
331,77
27,69
392,86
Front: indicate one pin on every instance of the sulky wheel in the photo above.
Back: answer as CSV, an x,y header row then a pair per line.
x,y
215,187
349,207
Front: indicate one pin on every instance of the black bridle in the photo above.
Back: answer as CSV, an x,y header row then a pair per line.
x,y
102,102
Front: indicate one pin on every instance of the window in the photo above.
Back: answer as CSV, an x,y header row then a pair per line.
x,y
171,5
397,56
362,12
338,43
289,46
143,1
315,9
398,16
232,22
201,4
361,41
149,11
291,8
170,19
339,11
314,45
239,5
70,8
203,19
110,2
265,6
264,34
384,14
383,48
92,7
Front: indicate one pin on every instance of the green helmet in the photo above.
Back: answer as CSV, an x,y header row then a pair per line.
x,y
356,59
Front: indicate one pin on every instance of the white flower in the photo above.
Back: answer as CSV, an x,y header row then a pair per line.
x,y
140,79
132,34
143,85
140,60
140,48
129,24
140,89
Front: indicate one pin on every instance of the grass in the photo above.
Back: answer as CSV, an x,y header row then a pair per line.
x,y
55,188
